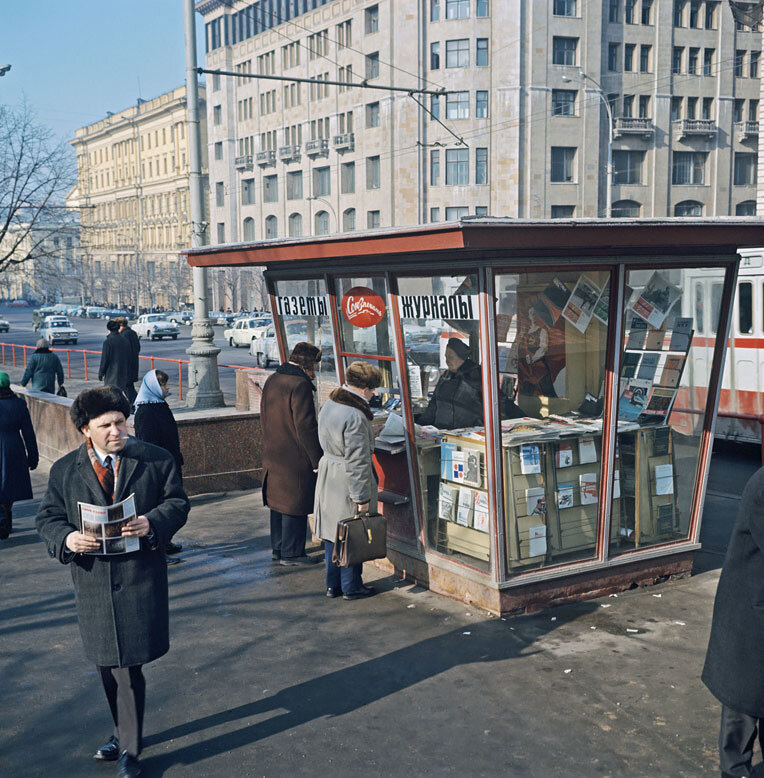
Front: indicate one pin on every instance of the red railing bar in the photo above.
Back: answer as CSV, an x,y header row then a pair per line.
x,y
85,357
68,363
180,381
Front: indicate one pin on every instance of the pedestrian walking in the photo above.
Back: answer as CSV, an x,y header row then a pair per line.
x,y
347,482
127,332
116,359
18,453
734,667
121,599
154,423
290,452
43,368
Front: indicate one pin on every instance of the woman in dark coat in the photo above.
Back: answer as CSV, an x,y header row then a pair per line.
x,y
457,400
43,368
291,452
17,457
734,668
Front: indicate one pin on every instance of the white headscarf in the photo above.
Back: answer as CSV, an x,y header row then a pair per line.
x,y
150,391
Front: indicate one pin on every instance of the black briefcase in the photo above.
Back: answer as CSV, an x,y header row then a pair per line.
x,y
360,539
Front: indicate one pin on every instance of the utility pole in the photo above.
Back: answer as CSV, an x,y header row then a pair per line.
x,y
203,380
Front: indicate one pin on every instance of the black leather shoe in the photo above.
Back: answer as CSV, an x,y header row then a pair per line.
x,y
331,592
275,555
173,548
300,561
366,591
109,751
129,766
171,560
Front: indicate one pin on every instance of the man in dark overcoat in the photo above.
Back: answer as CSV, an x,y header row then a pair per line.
x,y
122,599
127,332
291,452
116,359
734,668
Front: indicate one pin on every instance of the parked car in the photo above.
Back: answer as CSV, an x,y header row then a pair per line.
x,y
265,347
154,326
94,311
20,303
245,330
4,325
57,329
180,317
114,313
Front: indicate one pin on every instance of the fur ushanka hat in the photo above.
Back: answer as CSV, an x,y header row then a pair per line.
x,y
305,355
93,403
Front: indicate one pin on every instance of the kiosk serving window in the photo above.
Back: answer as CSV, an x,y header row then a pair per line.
x,y
441,338
665,372
551,333
304,315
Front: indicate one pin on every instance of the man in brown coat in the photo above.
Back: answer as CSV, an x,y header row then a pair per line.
x,y
291,452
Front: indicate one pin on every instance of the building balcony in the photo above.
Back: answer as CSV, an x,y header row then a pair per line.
x,y
289,153
243,163
317,148
632,125
747,129
689,127
344,142
265,158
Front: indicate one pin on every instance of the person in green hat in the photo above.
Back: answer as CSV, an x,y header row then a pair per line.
x,y
18,453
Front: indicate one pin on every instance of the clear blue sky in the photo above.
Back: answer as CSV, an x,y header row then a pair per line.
x,y
74,60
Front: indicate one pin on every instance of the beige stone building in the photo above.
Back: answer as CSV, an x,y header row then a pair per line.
x,y
522,127
133,194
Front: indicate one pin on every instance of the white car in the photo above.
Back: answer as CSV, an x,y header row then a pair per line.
x,y
244,331
265,347
154,326
57,329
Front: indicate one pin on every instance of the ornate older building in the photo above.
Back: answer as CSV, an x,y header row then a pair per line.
x,y
535,94
133,194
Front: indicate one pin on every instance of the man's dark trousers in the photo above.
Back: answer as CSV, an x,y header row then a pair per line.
x,y
347,579
125,689
130,392
288,534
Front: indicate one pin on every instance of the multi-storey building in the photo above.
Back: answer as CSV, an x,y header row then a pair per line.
x,y
522,128
133,194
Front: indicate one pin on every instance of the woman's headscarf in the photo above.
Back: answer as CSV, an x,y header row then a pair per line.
x,y
150,391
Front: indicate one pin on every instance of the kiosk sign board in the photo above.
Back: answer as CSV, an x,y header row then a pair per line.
x,y
363,307
450,307
302,305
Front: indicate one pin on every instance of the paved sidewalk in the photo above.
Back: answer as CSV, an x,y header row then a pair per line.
x,y
268,677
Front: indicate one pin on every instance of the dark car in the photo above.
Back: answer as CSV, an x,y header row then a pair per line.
x,y
426,352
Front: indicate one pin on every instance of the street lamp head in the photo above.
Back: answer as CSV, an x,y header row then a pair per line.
x,y
4,69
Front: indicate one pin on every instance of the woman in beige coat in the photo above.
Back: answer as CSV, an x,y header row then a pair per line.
x,y
347,483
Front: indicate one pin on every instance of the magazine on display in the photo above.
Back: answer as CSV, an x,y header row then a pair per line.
x,y
447,502
630,363
530,459
637,333
464,510
648,366
564,496
457,465
535,501
664,479
659,401
681,335
473,468
587,451
655,340
537,540
564,455
656,300
633,399
480,515
672,371
587,483
580,307
105,522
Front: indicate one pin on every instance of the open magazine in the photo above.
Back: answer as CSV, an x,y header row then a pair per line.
x,y
105,522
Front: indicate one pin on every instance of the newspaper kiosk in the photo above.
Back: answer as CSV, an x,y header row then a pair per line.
x,y
583,378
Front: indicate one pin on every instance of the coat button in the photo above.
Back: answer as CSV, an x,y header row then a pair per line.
x,y
116,588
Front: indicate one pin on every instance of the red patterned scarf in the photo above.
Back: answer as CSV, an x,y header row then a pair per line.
x,y
105,478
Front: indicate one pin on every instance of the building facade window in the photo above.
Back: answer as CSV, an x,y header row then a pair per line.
x,y
614,11
347,178
625,209
435,106
563,160
563,211
708,62
707,111
710,23
746,208
627,167
271,227
688,168
647,12
219,150
481,104
458,53
248,191
248,229
645,59
564,7
678,13
614,57
481,165
688,208
628,57
564,50
628,11
481,210
677,55
221,232
744,169
434,10
481,8
644,107
564,102
753,64
373,219
481,52
372,114
434,215
457,9
457,105
295,225
739,61
294,185
348,220
372,172
321,220
435,55
457,167
321,181
371,20
435,167
372,65
219,194
693,55
676,109
217,115
456,212
737,110
270,189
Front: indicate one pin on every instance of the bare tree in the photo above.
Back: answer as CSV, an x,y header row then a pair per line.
x,y
36,173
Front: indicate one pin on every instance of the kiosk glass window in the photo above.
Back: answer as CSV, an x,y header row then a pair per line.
x,y
551,333
663,391
441,338
303,308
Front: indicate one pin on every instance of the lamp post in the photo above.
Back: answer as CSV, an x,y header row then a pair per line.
x,y
331,208
601,92
203,379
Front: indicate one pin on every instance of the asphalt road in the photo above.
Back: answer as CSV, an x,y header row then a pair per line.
x,y
93,331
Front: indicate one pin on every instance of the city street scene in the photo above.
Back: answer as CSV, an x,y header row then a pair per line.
x,y
382,389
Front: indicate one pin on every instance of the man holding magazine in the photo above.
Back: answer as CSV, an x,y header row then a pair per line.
x,y
122,598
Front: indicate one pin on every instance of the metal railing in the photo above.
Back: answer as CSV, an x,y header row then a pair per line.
x,y
78,369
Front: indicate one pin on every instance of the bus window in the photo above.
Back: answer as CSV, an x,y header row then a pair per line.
x,y
699,307
716,305
745,308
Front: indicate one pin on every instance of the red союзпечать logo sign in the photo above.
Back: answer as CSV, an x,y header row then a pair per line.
x,y
363,307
